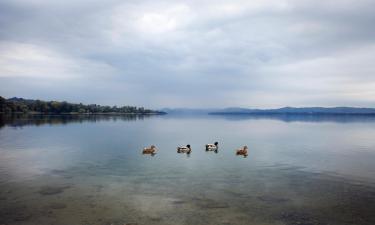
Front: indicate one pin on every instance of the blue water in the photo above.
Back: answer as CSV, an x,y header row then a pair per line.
x,y
90,170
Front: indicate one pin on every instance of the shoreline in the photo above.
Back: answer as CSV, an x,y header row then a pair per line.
x,y
86,114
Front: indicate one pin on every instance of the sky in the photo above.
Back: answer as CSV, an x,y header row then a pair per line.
x,y
196,54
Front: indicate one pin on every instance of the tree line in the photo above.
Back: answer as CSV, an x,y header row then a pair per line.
x,y
20,105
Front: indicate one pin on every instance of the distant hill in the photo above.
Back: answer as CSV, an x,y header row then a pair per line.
x,y
293,110
188,111
20,105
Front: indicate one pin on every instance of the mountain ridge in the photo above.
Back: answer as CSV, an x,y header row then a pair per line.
x,y
283,110
298,110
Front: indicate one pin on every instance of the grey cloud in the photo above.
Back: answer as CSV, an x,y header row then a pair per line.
x,y
199,53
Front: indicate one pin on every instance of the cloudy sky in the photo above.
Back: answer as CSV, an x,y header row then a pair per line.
x,y
254,53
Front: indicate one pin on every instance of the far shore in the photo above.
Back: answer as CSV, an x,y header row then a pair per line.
x,y
77,113
289,114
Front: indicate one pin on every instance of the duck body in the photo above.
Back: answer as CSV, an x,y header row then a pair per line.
x,y
212,147
149,150
184,149
242,151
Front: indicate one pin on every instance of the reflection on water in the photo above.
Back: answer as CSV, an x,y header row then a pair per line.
x,y
17,120
90,170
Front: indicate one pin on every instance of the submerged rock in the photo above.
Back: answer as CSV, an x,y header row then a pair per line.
x,y
210,204
179,202
299,218
57,205
22,217
116,222
272,199
156,219
61,173
215,205
16,213
52,190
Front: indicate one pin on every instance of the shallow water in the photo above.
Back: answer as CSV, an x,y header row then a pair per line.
x,y
90,170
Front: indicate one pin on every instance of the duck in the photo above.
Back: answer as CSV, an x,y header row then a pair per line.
x,y
242,151
184,149
149,150
214,146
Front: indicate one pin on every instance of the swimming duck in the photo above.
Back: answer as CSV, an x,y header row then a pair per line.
x,y
242,151
149,150
211,147
184,149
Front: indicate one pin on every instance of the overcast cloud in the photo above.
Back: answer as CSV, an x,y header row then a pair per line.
x,y
190,53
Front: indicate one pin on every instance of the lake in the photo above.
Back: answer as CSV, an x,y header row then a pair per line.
x,y
86,170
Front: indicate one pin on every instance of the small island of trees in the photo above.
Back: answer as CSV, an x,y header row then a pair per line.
x,y
20,105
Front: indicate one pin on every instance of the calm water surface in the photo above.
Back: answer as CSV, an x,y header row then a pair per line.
x,y
90,170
